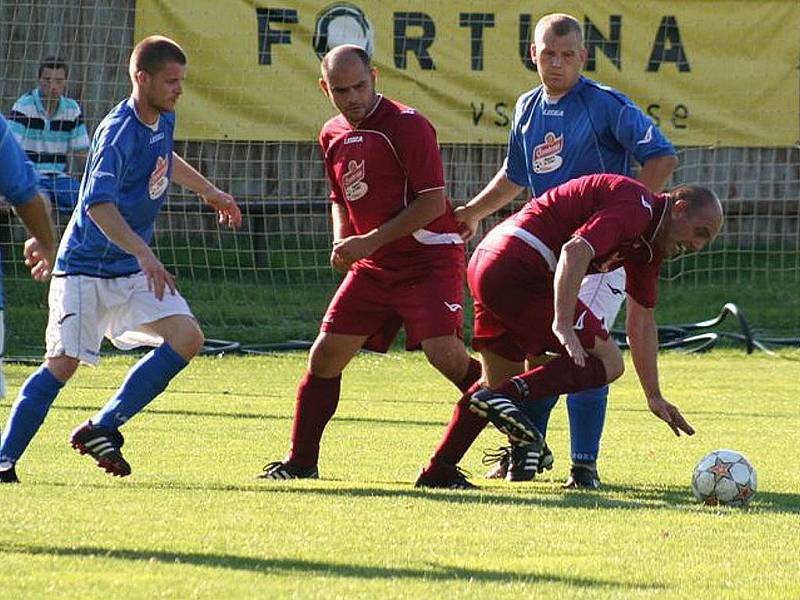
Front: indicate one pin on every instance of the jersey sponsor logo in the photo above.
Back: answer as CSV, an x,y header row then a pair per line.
x,y
156,138
615,291
353,181
354,139
547,155
158,178
408,111
455,307
648,136
552,112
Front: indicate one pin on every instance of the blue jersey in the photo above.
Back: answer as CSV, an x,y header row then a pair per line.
x,y
591,129
130,165
17,176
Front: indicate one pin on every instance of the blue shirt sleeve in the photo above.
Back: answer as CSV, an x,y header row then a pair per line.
x,y
516,163
17,177
106,168
639,135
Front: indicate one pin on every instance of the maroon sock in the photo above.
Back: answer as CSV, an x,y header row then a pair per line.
x,y
473,375
463,429
557,376
317,399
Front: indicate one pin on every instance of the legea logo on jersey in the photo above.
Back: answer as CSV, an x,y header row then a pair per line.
x,y
547,155
353,181
158,179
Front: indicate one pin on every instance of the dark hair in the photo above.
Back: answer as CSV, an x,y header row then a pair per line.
x,y
52,62
152,53
336,53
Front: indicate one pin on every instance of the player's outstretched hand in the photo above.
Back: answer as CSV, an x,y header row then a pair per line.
x,y
39,261
670,414
569,339
226,207
467,222
158,278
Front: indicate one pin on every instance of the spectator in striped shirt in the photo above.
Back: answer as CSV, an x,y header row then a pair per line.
x,y
49,126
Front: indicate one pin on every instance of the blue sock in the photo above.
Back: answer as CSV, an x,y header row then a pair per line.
x,y
146,380
539,412
587,414
28,413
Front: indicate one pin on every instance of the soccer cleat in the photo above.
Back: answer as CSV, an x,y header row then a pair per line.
x,y
454,479
286,470
506,416
8,474
503,457
584,476
103,445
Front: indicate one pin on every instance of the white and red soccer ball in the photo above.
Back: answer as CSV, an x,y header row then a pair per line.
x,y
724,477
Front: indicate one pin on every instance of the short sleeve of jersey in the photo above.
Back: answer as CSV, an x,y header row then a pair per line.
x,y
639,135
516,164
106,167
607,229
418,151
335,194
641,282
17,176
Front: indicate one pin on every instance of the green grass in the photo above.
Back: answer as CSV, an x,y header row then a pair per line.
x,y
192,522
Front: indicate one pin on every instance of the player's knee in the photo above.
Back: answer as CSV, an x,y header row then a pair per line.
x,y
62,367
188,340
615,367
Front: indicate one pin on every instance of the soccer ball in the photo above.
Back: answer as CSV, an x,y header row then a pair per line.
x,y
724,477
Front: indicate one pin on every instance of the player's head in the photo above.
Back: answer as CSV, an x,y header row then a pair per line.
x,y
695,219
558,52
157,69
348,79
53,73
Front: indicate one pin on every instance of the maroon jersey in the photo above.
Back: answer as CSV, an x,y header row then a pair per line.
x,y
616,215
378,168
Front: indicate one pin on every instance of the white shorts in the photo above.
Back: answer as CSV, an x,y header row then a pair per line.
x,y
85,309
603,294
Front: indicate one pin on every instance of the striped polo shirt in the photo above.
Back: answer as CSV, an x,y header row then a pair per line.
x,y
47,139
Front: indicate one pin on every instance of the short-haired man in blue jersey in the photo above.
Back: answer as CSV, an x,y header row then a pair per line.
x,y
567,127
18,188
107,281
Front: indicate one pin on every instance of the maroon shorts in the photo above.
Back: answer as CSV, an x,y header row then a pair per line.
x,y
514,307
427,300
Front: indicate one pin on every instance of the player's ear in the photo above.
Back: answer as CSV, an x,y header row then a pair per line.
x,y
323,85
533,52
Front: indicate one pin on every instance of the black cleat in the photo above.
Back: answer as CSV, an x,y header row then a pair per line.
x,y
8,474
583,476
503,458
455,479
103,445
286,470
506,416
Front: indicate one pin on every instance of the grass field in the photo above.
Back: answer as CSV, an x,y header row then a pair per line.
x,y
193,522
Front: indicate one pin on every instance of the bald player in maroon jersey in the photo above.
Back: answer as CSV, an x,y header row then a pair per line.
x,y
396,239
525,276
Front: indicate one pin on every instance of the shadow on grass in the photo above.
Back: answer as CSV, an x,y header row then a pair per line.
x,y
434,572
611,497
259,416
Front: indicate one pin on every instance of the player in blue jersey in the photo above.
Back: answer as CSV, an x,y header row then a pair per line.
x,y
107,281
18,188
567,127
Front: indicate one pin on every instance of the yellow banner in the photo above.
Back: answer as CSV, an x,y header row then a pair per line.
x,y
708,73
